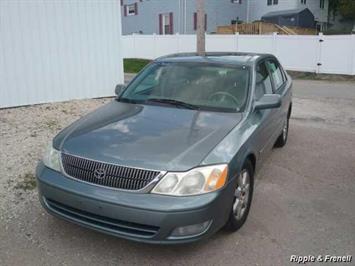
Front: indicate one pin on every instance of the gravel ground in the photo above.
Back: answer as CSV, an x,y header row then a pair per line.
x,y
303,205
24,134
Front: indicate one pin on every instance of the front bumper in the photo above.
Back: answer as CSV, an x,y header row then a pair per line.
x,y
136,216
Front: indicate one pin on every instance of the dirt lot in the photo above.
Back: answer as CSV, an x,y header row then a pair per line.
x,y
303,204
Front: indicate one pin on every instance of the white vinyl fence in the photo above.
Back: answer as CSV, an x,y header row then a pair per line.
x,y
320,53
58,50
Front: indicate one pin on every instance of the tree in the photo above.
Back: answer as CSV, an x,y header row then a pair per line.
x,y
346,8
333,7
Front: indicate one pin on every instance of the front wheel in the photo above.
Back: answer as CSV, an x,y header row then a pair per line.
x,y
282,139
242,197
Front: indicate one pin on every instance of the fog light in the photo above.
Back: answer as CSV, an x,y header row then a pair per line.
x,y
190,230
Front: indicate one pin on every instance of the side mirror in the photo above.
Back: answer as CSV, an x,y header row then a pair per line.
x,y
268,101
119,88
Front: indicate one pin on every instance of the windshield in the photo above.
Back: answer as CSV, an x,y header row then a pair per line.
x,y
191,85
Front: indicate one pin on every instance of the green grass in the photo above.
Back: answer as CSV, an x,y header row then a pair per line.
x,y
314,76
132,65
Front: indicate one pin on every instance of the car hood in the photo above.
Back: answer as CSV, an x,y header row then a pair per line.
x,y
146,136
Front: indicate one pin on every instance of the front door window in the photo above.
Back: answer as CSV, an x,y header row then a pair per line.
x,y
263,83
276,74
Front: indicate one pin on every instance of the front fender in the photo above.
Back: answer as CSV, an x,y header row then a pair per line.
x,y
235,147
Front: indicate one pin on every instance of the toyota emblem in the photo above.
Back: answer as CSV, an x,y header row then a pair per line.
x,y
100,173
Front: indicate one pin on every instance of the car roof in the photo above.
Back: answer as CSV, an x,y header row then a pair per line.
x,y
239,59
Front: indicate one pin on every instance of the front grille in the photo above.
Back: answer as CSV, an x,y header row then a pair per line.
x,y
111,175
102,222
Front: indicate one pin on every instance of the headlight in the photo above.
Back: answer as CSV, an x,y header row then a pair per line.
x,y
51,158
196,181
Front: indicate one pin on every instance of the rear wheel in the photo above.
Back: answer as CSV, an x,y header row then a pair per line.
x,y
242,197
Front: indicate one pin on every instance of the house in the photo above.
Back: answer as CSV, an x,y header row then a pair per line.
x,y
256,9
301,17
179,16
174,16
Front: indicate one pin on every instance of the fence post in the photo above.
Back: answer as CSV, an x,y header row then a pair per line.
x,y
155,45
134,45
177,36
319,55
274,43
352,42
237,41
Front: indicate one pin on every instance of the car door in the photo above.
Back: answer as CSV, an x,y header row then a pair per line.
x,y
279,86
266,118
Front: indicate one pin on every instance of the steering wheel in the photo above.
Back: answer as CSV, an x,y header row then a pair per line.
x,y
222,96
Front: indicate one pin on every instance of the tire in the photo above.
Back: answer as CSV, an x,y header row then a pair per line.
x,y
238,215
282,139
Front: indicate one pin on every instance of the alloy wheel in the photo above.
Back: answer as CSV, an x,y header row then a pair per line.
x,y
241,195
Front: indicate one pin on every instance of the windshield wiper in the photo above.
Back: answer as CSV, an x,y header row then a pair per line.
x,y
174,102
125,100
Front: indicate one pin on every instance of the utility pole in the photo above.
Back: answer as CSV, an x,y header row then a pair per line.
x,y
200,33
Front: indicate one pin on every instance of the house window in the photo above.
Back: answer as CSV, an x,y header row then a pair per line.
x,y
131,10
166,23
195,21
321,4
304,2
272,2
